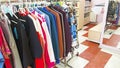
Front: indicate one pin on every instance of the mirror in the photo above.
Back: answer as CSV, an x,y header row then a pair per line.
x,y
111,36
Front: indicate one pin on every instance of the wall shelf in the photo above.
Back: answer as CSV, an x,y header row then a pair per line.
x,y
87,10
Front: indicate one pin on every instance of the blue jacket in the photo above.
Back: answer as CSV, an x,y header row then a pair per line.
x,y
1,60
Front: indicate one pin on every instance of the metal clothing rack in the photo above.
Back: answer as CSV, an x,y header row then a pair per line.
x,y
63,60
72,53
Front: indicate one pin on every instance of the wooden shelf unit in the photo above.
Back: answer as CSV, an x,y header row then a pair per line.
x,y
79,7
87,11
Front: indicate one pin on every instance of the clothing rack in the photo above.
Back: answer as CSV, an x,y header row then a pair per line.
x,y
72,53
110,21
65,62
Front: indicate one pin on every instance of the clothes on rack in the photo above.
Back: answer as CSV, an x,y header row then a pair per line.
x,y
1,60
113,13
5,49
112,7
66,29
4,23
72,23
37,38
118,14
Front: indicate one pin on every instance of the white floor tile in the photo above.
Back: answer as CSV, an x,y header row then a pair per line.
x,y
78,62
107,36
82,32
81,49
118,46
85,27
114,62
74,43
117,31
75,62
107,51
82,39
108,33
61,65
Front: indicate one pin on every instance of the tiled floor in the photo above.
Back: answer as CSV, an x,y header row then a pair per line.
x,y
90,55
90,52
99,61
85,35
113,39
89,26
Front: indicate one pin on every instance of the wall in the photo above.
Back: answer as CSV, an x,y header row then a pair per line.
x,y
98,10
95,2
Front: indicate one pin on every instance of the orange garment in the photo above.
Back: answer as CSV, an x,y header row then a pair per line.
x,y
59,27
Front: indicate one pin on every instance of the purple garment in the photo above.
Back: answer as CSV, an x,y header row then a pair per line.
x,y
68,38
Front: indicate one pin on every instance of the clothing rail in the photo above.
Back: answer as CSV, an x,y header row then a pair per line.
x,y
65,62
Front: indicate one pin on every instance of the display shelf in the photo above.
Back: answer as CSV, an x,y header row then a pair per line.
x,y
87,11
86,20
80,13
87,6
83,9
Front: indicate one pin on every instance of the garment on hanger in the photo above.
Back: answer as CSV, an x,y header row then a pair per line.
x,y
39,60
41,36
54,33
59,28
62,31
1,60
47,19
47,37
112,11
5,49
68,39
71,20
35,39
118,14
5,24
22,41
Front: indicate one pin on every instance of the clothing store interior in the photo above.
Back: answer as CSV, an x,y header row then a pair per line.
x,y
59,33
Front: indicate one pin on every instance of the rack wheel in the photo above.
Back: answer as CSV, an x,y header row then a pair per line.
x,y
77,54
72,48
77,46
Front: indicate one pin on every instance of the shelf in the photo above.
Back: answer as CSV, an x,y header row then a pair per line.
x,y
87,12
76,8
86,15
87,5
86,20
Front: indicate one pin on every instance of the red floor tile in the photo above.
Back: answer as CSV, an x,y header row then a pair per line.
x,y
114,27
105,40
99,61
86,35
91,52
113,41
90,44
90,26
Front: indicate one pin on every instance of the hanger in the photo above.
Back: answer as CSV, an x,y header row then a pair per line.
x,y
0,7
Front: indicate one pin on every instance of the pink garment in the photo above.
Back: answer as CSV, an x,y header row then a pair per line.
x,y
5,49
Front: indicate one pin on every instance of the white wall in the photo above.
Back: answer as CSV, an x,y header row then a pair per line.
x,y
96,2
98,9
